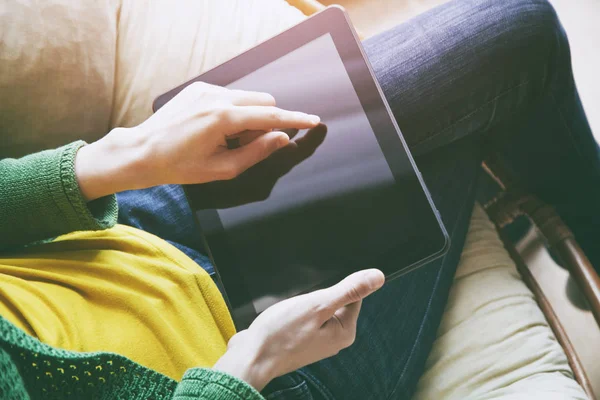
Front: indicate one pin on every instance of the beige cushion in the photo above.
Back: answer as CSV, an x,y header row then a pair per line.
x,y
57,61
65,73
493,341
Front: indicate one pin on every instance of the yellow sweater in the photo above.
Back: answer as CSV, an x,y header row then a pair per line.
x,y
120,290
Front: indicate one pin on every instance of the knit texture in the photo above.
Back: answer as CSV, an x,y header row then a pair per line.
x,y
31,369
200,383
40,199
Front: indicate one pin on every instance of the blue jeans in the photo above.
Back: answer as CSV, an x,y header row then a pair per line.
x,y
463,79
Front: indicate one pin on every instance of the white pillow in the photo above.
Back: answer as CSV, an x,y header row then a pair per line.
x,y
57,61
494,342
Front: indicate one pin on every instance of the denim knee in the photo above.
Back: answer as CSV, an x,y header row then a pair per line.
x,y
539,42
469,67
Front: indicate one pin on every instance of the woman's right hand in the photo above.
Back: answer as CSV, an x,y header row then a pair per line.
x,y
184,142
299,331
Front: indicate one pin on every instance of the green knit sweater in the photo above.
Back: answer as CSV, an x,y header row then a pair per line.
x,y
40,199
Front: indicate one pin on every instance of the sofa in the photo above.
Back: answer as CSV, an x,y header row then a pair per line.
x,y
75,69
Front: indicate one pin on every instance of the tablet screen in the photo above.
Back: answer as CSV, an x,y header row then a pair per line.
x,y
321,209
343,158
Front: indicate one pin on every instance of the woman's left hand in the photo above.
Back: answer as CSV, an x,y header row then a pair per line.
x,y
299,331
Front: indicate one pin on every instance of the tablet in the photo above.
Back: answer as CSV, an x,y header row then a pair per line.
x,y
347,197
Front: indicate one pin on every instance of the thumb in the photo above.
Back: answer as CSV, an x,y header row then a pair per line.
x,y
352,289
260,148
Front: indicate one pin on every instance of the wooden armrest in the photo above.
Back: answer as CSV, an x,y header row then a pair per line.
x,y
308,7
551,317
513,202
559,238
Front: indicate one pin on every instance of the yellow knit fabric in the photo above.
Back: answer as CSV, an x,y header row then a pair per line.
x,y
120,290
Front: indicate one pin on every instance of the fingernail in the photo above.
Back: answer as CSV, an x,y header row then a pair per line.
x,y
315,119
283,140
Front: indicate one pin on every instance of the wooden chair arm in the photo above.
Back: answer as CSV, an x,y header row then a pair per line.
x,y
555,324
513,202
308,7
559,238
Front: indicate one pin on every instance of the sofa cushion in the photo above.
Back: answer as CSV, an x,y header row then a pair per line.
x,y
74,69
494,342
57,61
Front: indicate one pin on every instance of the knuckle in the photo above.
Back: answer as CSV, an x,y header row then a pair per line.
x,y
265,150
275,115
237,169
353,295
229,171
351,339
348,339
229,175
223,112
320,308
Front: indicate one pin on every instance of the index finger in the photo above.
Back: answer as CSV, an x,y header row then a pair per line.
x,y
269,117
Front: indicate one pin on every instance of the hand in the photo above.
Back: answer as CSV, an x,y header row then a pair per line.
x,y
184,142
299,331
257,182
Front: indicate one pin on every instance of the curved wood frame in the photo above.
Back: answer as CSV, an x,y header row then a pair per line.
x,y
513,202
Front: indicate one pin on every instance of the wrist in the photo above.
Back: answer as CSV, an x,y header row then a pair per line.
x,y
112,164
248,363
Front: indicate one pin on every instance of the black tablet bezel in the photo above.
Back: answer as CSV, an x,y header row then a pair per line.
x,y
335,21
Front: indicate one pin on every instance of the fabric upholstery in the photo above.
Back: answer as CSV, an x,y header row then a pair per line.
x,y
57,62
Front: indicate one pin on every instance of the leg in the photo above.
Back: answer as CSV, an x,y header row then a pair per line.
x,y
503,69
461,70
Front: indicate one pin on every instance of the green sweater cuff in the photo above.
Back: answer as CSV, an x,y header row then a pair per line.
x,y
205,383
62,184
40,199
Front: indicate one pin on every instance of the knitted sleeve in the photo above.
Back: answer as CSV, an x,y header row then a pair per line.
x,y
205,383
40,199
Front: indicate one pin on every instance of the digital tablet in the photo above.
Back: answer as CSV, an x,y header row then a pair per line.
x,y
347,197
